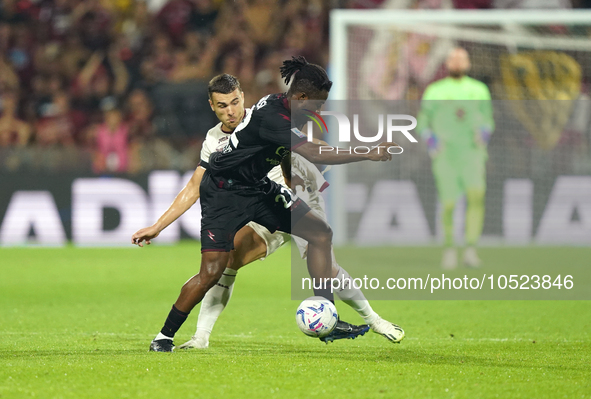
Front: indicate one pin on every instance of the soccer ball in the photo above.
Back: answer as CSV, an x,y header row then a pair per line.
x,y
317,317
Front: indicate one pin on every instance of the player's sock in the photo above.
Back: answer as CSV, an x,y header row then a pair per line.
x,y
173,322
354,297
214,302
161,336
474,216
448,223
321,285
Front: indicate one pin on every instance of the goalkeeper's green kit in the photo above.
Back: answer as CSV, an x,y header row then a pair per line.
x,y
456,121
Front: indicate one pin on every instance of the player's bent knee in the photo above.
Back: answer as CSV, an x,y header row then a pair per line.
x,y
324,237
212,271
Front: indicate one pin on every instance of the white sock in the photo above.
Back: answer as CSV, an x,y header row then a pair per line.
x,y
162,336
214,302
354,297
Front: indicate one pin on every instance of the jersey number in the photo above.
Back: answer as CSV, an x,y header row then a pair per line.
x,y
233,142
262,102
286,197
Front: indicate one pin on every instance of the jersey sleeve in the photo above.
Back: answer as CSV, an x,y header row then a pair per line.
x,y
426,112
487,109
486,120
308,172
276,128
206,151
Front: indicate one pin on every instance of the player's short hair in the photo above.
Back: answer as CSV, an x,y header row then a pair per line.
x,y
305,77
224,84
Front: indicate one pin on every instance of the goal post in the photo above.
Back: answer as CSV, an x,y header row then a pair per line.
x,y
367,46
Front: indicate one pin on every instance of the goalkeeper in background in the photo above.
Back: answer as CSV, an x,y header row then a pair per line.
x,y
456,121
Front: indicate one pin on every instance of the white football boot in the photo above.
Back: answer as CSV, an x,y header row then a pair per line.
x,y
471,258
449,261
197,341
392,332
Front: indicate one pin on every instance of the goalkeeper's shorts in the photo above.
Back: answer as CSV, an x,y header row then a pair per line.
x,y
455,176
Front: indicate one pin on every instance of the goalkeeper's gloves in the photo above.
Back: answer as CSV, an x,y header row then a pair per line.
x,y
484,134
432,143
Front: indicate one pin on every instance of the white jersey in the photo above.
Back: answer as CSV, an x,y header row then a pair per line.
x,y
217,139
314,180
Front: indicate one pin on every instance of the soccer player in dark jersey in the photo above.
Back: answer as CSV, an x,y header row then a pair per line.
x,y
235,189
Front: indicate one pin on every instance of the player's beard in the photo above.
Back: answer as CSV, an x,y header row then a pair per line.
x,y
456,74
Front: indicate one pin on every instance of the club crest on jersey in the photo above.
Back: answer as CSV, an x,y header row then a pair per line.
x,y
273,161
281,152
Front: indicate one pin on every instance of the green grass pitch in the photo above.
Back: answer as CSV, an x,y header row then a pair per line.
x,y
77,323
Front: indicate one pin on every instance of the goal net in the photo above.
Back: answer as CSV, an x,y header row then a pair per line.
x,y
537,66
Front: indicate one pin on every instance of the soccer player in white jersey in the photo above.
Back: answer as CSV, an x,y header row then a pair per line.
x,y
254,241
312,183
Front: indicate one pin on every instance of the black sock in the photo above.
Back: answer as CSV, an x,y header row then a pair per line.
x,y
325,293
174,321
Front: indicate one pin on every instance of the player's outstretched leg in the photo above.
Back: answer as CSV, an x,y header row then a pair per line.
x,y
344,330
474,222
249,246
214,302
193,291
355,299
318,234
449,261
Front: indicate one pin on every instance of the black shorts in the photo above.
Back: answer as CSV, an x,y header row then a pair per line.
x,y
226,208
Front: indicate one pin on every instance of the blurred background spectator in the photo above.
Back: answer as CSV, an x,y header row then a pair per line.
x,y
13,131
151,60
111,137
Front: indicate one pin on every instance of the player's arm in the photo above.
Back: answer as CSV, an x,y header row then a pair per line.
x,y
292,180
328,155
183,201
424,122
276,129
286,169
425,116
487,122
318,141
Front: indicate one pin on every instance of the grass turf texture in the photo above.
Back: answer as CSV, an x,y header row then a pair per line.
x,y
76,323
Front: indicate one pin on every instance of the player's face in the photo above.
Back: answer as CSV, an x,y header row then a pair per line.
x,y
312,102
458,62
229,108
301,102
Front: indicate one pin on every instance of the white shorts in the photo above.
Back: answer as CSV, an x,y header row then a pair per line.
x,y
273,241
276,240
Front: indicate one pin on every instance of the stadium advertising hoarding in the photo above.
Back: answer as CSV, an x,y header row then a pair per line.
x,y
50,210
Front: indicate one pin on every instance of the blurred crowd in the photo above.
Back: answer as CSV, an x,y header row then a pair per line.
x,y
121,85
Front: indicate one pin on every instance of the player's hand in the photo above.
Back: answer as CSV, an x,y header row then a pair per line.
x,y
380,152
482,137
297,181
433,145
146,234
